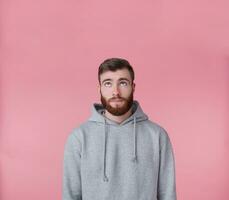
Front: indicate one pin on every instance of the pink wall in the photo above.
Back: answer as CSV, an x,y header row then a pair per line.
x,y
50,52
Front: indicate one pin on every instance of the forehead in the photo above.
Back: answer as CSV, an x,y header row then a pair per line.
x,y
120,73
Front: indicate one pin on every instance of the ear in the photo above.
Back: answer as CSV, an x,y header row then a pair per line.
x,y
133,86
98,88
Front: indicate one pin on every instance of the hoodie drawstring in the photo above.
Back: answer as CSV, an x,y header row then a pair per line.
x,y
105,178
133,159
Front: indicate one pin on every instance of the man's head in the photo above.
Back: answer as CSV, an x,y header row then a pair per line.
x,y
116,85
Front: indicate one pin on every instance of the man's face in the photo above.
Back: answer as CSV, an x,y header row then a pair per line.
x,y
116,91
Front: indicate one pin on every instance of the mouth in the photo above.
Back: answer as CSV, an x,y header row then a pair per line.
x,y
116,100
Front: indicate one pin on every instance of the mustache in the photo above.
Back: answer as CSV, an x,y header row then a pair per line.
x,y
117,98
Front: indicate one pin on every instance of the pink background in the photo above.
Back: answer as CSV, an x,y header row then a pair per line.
x,y
50,53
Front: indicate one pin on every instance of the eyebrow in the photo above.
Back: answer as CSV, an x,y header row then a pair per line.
x,y
120,79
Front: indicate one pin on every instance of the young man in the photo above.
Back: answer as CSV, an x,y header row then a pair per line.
x,y
118,154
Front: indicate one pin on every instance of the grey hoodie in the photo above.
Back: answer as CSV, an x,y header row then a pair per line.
x,y
104,160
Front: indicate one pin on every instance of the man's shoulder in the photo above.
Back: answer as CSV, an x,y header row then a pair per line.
x,y
83,127
157,128
76,133
153,125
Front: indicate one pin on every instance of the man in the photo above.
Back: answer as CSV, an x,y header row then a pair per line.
x,y
118,154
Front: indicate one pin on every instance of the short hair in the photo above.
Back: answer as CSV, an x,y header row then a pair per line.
x,y
114,64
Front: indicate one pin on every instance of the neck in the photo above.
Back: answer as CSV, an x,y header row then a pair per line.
x,y
118,119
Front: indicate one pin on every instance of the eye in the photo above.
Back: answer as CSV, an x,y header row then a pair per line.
x,y
123,83
107,84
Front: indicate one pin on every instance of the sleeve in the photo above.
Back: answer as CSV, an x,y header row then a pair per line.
x,y
71,187
166,176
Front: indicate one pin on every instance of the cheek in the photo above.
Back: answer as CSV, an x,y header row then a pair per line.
x,y
105,93
126,92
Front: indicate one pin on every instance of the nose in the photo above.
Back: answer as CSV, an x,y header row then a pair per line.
x,y
116,90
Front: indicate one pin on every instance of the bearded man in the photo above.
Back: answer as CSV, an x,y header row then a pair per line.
x,y
118,153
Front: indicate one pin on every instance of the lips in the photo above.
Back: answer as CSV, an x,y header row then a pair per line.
x,y
116,100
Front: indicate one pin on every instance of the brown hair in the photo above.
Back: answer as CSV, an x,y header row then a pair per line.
x,y
113,64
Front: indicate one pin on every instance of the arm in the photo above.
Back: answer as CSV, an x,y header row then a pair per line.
x,y
71,170
166,176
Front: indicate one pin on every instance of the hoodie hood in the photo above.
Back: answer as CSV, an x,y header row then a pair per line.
x,y
137,113
137,116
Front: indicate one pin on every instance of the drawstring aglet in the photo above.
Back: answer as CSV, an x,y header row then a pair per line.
x,y
134,159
